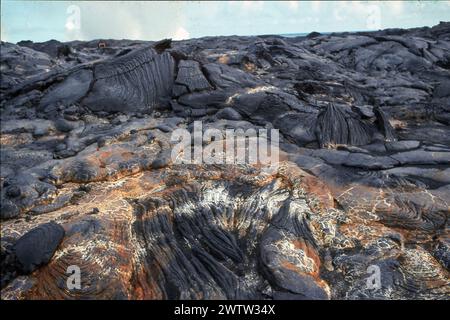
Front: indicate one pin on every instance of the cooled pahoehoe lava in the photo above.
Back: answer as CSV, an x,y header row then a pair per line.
x,y
88,178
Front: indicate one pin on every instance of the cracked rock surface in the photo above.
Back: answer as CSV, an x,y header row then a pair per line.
x,y
87,177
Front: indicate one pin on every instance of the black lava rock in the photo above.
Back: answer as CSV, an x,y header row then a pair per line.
x,y
8,209
13,192
36,247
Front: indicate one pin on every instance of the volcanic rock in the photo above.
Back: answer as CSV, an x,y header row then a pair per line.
x,y
90,174
36,247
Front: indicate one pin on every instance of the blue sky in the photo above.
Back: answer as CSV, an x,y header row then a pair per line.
x,y
70,20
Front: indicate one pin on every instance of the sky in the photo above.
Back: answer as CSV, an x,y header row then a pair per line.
x,y
155,20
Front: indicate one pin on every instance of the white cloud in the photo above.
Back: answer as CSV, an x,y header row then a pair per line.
x,y
252,4
315,6
132,20
367,14
373,20
181,34
3,35
293,4
395,6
